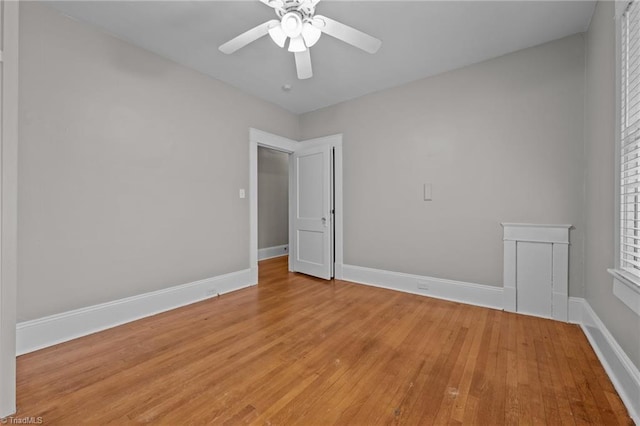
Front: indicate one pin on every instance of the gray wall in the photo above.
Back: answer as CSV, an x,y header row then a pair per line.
x,y
601,182
129,168
500,141
273,198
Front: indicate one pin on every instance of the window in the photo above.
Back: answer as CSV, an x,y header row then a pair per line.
x,y
630,141
626,283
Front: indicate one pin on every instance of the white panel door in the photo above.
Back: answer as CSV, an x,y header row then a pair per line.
x,y
312,222
534,281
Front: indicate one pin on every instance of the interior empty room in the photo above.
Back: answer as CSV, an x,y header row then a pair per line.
x,y
320,212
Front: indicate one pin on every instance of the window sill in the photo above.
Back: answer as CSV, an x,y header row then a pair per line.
x,y
626,289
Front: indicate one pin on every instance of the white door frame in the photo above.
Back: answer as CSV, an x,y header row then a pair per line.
x,y
8,205
268,140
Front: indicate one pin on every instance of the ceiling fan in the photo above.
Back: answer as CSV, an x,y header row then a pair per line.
x,y
298,22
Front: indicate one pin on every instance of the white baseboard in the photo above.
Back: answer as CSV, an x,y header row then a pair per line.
x,y
338,271
275,251
457,291
48,331
576,308
623,373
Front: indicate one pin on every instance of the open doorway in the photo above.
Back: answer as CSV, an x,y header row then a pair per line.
x,y
303,252
273,203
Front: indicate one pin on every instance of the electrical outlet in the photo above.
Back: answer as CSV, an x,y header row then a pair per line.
x,y
211,292
423,285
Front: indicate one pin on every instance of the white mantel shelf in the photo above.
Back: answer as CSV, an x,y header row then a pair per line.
x,y
536,233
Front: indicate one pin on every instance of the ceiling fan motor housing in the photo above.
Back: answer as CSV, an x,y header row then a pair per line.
x,y
304,8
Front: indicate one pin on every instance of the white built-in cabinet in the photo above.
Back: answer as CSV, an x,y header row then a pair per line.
x,y
536,269
8,201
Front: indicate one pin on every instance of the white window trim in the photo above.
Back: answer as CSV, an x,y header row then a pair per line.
x,y
625,286
626,289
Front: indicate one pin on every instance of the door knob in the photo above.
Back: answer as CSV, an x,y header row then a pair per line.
x,y
324,221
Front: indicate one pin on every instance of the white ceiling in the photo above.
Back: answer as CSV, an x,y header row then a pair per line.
x,y
419,39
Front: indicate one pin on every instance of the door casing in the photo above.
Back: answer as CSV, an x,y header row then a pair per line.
x,y
268,140
8,203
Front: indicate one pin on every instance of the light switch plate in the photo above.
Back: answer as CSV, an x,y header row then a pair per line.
x,y
427,192
242,193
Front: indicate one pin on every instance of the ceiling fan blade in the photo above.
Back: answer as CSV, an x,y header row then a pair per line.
x,y
303,64
347,34
276,4
311,3
247,37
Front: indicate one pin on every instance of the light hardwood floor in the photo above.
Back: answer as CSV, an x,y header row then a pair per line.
x,y
299,350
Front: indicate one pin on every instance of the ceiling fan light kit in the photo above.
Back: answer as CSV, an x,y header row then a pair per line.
x,y
277,35
297,45
299,23
310,34
291,24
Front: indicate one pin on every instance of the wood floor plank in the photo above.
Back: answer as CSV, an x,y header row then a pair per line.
x,y
300,350
461,409
512,405
557,381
